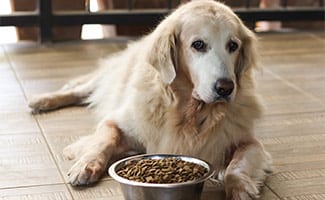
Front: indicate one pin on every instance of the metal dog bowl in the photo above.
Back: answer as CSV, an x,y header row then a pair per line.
x,y
132,190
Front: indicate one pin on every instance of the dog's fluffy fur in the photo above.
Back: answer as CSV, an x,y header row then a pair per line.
x,y
158,96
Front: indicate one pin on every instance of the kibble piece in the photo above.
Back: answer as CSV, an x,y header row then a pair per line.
x,y
164,170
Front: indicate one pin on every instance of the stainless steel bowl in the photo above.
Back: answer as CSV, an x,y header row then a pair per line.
x,y
132,190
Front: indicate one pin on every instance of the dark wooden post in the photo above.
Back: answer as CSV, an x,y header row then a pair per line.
x,y
45,20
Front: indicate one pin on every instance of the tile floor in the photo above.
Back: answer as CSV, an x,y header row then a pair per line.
x,y
292,85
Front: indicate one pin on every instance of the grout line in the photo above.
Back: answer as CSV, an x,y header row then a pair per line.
x,y
52,155
30,186
43,185
276,194
15,73
319,39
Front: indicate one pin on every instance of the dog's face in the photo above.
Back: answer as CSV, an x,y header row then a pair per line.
x,y
211,44
210,51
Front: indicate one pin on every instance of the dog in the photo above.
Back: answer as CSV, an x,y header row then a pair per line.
x,y
186,88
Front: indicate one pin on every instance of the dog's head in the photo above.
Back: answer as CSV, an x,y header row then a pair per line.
x,y
210,44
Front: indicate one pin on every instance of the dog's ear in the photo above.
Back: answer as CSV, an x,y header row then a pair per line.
x,y
163,54
248,56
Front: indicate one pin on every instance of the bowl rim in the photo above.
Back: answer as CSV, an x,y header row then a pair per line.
x,y
115,176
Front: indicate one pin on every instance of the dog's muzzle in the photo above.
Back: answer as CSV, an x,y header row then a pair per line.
x,y
222,92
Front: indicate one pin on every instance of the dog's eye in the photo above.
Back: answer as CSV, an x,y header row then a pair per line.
x,y
199,45
232,46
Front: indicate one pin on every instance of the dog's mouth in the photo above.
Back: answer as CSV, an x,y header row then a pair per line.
x,y
220,99
213,99
196,96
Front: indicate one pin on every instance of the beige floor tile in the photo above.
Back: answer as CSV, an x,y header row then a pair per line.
x,y
57,143
11,96
297,145
63,127
24,47
299,150
63,56
76,120
267,194
39,80
8,81
5,68
13,103
299,124
296,64
308,165
25,161
96,49
295,159
17,122
48,192
281,98
67,71
308,188
34,87
303,72
296,174
104,190
210,192
285,44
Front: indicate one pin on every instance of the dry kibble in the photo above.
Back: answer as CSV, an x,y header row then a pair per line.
x,y
164,170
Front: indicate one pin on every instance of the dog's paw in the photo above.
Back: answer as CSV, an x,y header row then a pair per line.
x,y
68,153
42,103
85,172
240,188
77,149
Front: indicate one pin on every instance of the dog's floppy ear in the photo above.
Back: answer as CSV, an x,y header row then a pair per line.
x,y
162,55
248,56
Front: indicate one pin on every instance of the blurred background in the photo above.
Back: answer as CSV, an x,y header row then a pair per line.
x,y
138,17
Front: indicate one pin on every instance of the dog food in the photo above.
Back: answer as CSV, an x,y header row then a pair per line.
x,y
164,170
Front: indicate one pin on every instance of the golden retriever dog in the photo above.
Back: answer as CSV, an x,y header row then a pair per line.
x,y
186,88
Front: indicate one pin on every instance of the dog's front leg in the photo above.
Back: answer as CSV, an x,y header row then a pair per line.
x,y
247,171
97,150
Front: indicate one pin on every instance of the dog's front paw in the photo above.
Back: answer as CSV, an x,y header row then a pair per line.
x,y
68,153
240,187
42,103
86,172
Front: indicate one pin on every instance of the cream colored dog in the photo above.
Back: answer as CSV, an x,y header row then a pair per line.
x,y
186,88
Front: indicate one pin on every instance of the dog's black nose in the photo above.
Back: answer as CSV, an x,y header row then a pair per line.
x,y
224,87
